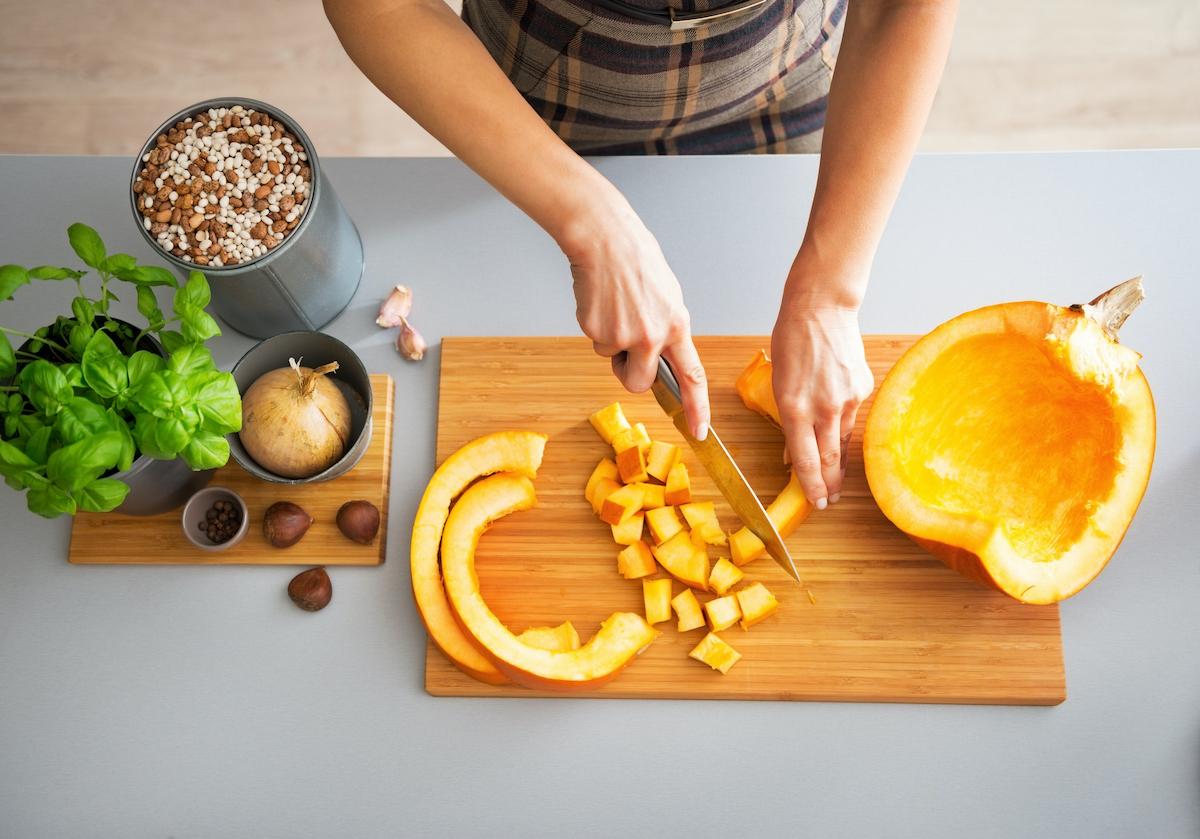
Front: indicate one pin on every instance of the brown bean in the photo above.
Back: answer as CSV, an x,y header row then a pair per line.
x,y
287,202
261,204
194,221
279,226
162,216
176,215
273,167
186,201
258,231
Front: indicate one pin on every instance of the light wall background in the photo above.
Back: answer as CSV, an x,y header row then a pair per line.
x,y
96,76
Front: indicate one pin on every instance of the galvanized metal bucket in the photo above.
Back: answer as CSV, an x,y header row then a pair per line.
x,y
302,284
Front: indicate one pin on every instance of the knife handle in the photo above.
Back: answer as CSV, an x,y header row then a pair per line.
x,y
666,389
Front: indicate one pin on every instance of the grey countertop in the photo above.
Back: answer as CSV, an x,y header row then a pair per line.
x,y
193,701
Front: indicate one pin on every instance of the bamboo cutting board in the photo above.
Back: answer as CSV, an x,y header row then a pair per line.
x,y
111,539
890,622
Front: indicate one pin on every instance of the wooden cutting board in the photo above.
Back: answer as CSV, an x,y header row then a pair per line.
x,y
890,622
111,539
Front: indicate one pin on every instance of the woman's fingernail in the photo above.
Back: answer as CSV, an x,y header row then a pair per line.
x,y
702,431
833,499
822,504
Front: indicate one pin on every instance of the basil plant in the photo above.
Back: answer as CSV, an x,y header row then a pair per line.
x,y
82,397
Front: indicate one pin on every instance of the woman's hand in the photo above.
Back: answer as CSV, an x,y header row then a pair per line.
x,y
820,378
630,304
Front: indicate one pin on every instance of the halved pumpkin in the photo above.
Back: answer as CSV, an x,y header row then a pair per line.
x,y
1015,443
504,451
620,638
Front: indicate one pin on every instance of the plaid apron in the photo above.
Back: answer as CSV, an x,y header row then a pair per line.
x,y
613,84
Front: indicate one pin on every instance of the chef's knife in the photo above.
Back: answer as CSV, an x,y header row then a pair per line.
x,y
723,470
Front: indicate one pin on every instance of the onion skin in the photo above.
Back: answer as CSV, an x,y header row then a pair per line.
x,y
295,422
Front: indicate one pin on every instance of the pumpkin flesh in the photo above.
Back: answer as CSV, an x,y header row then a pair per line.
x,y
1014,442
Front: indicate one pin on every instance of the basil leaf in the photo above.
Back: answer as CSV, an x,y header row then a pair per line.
x,y
87,244
53,272
162,394
81,419
45,386
13,459
50,501
83,310
128,450
102,495
189,359
37,447
73,373
144,431
219,402
8,359
171,436
15,403
147,304
74,466
197,325
142,364
79,336
195,293
152,275
206,451
119,263
12,277
11,425
171,340
105,367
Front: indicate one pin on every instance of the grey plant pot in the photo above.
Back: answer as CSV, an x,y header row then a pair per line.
x,y
157,486
301,285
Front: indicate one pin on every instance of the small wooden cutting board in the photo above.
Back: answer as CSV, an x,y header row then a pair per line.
x,y
111,539
890,622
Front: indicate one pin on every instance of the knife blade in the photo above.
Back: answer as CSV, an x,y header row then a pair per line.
x,y
723,470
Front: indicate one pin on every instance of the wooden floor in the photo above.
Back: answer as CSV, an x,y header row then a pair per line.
x,y
96,76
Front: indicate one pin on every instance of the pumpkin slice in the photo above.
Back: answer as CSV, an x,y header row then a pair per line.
x,y
605,470
620,638
505,451
661,458
679,485
1015,442
656,594
629,531
609,421
789,509
556,639
725,575
636,561
687,609
723,612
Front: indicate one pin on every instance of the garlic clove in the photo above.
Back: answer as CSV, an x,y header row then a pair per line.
x,y
395,307
409,343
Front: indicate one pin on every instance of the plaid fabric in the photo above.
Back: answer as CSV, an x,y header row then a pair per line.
x,y
615,85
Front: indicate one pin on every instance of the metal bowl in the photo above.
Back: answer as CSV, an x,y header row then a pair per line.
x,y
316,348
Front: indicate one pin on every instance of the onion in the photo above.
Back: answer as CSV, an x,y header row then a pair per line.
x,y
295,422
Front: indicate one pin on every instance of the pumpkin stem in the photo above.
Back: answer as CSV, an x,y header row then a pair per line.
x,y
307,379
1112,308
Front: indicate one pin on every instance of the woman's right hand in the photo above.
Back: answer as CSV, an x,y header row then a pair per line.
x,y
630,304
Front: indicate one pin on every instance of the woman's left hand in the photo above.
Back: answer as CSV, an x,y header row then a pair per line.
x,y
820,378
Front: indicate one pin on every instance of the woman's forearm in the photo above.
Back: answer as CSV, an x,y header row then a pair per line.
x,y
426,60
888,69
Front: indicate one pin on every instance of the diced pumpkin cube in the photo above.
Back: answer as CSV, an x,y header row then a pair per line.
x,y
636,561
557,639
664,523
723,612
701,517
653,495
687,609
756,603
609,421
682,561
725,575
789,509
657,596
621,504
715,653
635,435
630,530
604,488
679,485
698,539
745,547
661,458
631,463
606,469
